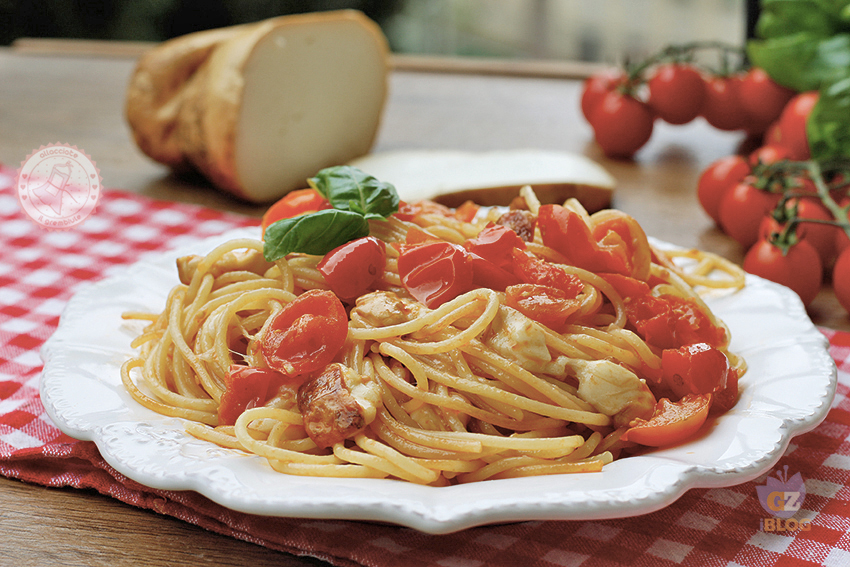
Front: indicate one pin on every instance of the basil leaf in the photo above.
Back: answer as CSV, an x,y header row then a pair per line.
x,y
316,233
350,189
827,129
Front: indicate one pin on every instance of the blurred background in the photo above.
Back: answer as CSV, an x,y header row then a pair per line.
x,y
598,31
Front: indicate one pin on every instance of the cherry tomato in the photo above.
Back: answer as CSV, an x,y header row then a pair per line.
x,y
306,334
717,179
676,93
668,321
841,279
435,272
246,388
351,269
792,124
722,106
597,86
762,98
467,211
533,270
294,203
742,208
626,286
671,423
496,243
822,236
799,269
621,124
842,242
697,368
723,400
568,233
769,154
487,274
547,305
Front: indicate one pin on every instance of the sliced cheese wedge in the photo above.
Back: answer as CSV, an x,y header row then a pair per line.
x,y
491,178
259,108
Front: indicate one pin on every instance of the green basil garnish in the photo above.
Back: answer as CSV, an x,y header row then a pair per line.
x,y
355,197
348,189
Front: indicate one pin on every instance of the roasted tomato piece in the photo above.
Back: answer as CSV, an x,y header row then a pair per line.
x,y
672,422
246,388
435,272
351,269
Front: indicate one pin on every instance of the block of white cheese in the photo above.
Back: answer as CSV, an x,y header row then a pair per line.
x,y
259,108
491,178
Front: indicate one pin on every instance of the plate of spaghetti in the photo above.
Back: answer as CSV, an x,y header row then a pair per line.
x,y
358,357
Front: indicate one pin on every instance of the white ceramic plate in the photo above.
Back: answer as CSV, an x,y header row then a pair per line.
x,y
787,391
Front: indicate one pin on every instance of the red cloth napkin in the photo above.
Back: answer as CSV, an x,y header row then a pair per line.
x,y
40,270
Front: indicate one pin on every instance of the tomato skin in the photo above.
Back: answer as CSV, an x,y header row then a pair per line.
x,y
742,209
306,334
792,124
800,269
621,124
671,423
841,279
697,368
669,322
496,243
769,154
597,86
762,98
247,387
821,236
676,93
294,203
435,272
351,269
722,106
547,305
717,179
532,270
487,274
466,211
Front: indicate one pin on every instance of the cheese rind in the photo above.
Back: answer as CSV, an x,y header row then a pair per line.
x,y
259,108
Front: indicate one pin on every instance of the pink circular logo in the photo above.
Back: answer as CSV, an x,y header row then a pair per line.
x,y
58,186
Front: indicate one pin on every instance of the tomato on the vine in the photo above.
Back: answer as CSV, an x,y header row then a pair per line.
x,y
621,123
717,178
792,124
722,105
798,268
762,98
841,279
742,208
676,92
597,86
769,154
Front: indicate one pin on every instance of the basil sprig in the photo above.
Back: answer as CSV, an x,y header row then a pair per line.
x,y
355,197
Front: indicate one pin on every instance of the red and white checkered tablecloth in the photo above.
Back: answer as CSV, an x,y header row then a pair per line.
x,y
40,270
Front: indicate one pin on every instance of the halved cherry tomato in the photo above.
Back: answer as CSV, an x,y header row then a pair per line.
x,y
697,368
723,400
717,178
496,243
533,270
435,272
672,422
547,305
306,334
246,387
294,203
487,274
799,269
351,269
567,232
626,286
676,93
467,211
668,321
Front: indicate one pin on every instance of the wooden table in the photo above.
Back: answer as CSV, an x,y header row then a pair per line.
x,y
46,97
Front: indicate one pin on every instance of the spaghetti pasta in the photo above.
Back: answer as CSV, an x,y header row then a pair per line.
x,y
486,383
